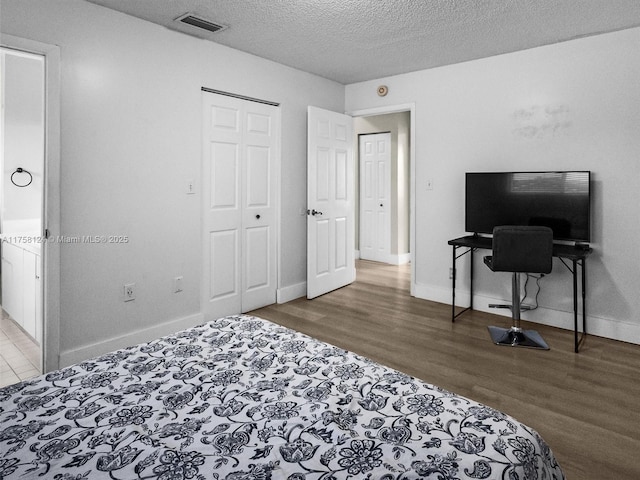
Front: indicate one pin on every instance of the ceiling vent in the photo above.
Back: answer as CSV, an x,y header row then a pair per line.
x,y
199,22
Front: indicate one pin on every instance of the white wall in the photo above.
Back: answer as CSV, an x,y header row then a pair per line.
x,y
574,105
130,141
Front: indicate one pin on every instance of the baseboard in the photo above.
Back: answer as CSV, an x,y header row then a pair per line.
x,y
440,295
286,294
71,357
600,326
394,259
403,258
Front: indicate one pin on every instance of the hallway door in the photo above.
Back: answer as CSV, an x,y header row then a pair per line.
x,y
330,201
375,196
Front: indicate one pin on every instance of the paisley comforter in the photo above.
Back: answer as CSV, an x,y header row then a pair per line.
x,y
242,398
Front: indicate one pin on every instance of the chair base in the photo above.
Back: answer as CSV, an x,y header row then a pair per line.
x,y
517,337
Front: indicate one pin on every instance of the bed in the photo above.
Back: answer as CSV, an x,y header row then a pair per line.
x,y
241,398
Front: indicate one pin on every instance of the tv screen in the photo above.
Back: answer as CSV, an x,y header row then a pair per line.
x,y
559,200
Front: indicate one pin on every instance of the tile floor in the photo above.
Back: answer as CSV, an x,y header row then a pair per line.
x,y
19,354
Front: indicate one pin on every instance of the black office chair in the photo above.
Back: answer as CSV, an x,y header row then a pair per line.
x,y
519,249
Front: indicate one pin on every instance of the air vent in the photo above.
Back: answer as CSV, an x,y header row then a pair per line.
x,y
199,22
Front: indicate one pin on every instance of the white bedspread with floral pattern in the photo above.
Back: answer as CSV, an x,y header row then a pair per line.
x,y
242,398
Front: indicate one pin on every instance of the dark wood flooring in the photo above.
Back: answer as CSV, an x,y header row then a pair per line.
x,y
585,405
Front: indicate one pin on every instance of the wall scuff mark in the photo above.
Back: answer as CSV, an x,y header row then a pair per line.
x,y
541,122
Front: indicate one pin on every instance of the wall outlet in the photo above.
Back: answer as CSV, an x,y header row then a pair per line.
x,y
129,292
177,284
191,187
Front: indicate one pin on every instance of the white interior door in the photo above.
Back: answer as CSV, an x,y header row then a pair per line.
x,y
375,196
240,164
330,201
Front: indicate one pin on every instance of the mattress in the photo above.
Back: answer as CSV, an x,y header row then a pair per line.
x,y
242,398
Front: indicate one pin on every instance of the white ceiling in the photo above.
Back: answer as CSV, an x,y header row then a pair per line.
x,y
355,40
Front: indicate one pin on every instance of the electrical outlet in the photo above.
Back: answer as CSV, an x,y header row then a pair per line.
x,y
191,187
129,292
177,284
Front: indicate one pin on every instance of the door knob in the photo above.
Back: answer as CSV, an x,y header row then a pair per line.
x,y
381,205
258,216
313,212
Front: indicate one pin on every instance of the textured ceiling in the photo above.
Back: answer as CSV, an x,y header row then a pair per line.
x,y
355,40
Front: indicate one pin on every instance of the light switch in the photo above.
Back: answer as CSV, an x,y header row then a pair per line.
x,y
177,284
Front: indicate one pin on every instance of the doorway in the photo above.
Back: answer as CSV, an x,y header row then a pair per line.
x,y
22,164
407,192
384,235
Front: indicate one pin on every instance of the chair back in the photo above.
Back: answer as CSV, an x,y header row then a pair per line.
x,y
522,249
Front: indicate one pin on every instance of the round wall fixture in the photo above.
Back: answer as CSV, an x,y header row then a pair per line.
x,y
383,90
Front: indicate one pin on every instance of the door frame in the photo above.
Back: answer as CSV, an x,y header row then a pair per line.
x,y
411,108
51,196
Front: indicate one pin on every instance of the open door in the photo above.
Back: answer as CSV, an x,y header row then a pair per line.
x,y
330,201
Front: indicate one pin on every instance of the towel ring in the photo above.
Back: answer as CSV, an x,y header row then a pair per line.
x,y
22,170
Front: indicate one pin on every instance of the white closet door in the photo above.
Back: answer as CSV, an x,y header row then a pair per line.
x,y
259,197
375,199
240,164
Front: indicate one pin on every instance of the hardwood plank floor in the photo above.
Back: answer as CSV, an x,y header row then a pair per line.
x,y
585,405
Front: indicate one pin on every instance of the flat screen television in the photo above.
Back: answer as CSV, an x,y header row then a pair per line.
x,y
559,200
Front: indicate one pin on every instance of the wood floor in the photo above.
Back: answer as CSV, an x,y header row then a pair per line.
x,y
585,405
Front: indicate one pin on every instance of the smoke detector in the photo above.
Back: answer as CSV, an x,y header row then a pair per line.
x,y
201,23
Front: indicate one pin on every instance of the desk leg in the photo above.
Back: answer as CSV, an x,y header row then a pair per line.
x,y
575,305
584,298
453,285
471,280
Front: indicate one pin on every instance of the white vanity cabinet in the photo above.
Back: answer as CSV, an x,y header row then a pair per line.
x,y
22,287
12,273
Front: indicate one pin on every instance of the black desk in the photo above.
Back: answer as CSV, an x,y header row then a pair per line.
x,y
566,253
